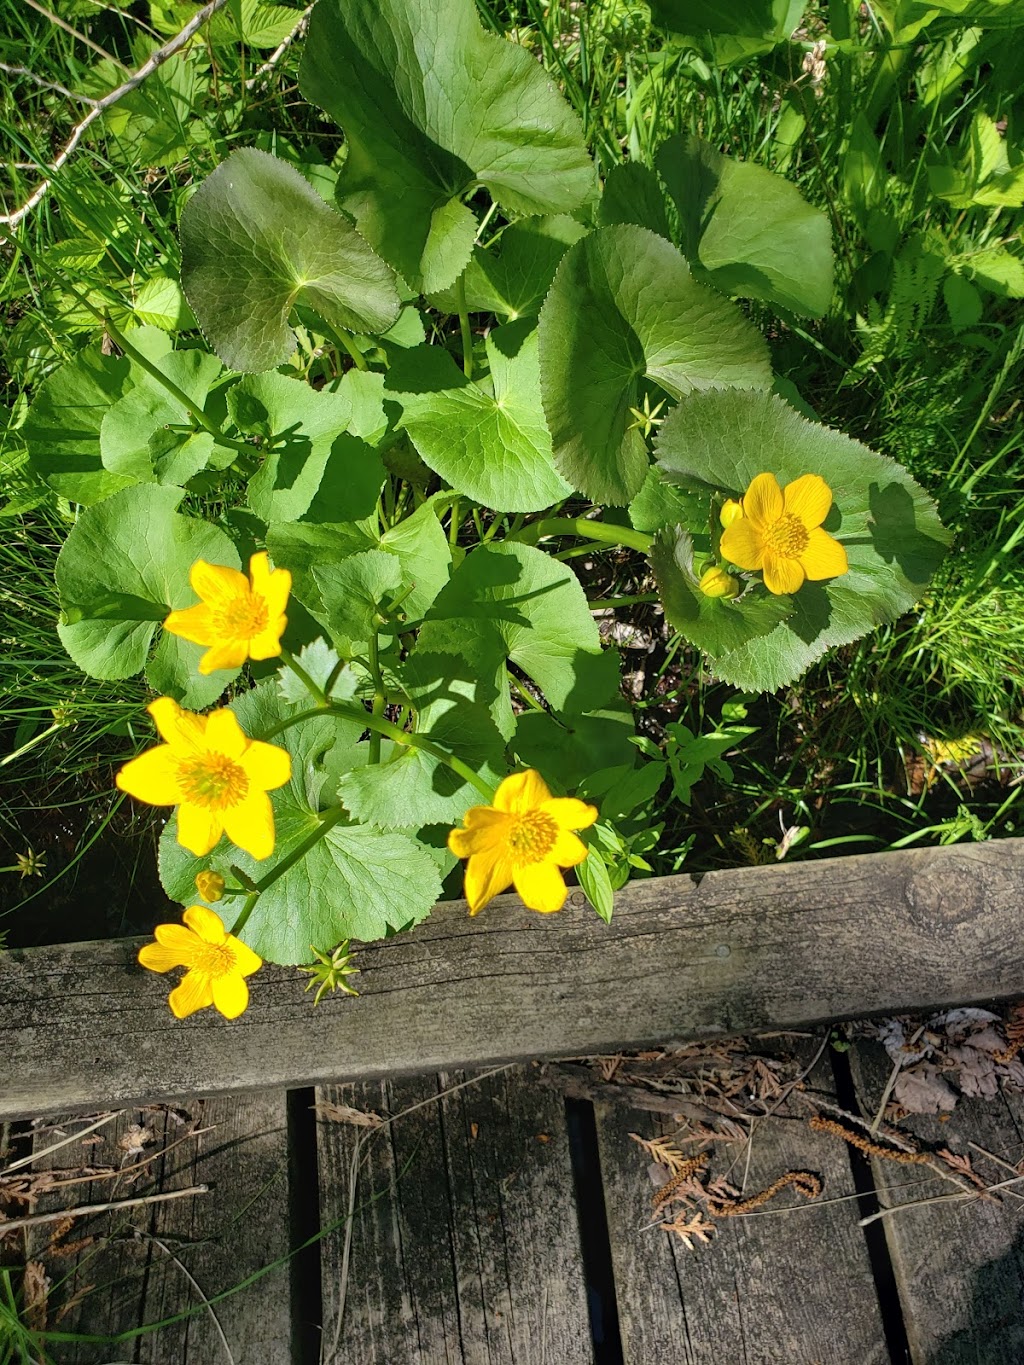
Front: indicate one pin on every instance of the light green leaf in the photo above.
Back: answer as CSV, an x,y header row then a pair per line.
x,y
660,503
512,276
730,30
718,442
431,106
254,23
568,749
256,238
160,302
134,436
623,305
423,551
999,271
751,230
123,568
355,592
356,882
596,884
314,467
412,788
489,439
510,602
62,428
963,302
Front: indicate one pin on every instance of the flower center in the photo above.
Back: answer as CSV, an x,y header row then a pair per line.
x,y
532,836
786,537
242,618
214,781
215,959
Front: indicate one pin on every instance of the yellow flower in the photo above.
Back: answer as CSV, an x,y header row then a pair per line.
x,y
715,582
216,776
239,618
731,511
210,885
780,533
217,963
522,840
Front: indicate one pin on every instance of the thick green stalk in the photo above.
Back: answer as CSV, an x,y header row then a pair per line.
x,y
379,698
467,335
317,693
604,532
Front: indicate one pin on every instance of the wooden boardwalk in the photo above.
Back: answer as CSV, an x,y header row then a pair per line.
x,y
328,1188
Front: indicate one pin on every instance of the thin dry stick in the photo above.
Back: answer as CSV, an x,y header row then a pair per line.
x,y
261,72
83,1132
37,1218
199,1290
970,1194
101,106
46,85
115,1174
890,1083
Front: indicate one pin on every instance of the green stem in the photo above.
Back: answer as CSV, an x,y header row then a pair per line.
x,y
343,340
524,692
244,913
379,698
317,693
327,820
586,528
467,335
384,727
599,603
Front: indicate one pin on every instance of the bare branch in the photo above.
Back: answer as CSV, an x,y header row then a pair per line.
x,y
84,1210
102,105
46,85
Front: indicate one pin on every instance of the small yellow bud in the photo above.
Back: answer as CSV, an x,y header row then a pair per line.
x,y
715,582
731,511
210,885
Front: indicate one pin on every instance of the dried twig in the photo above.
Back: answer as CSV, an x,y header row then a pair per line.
x,y
54,1146
46,85
37,1218
263,71
102,105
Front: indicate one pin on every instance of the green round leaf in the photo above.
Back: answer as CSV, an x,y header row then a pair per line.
x,y
123,568
512,276
623,305
751,230
432,105
720,441
488,439
134,437
256,238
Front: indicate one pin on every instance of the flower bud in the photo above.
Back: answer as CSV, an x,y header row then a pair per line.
x,y
731,511
210,885
715,582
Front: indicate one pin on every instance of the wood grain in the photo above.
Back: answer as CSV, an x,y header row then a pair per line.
x,y
772,1287
465,1246
959,1264
153,1262
683,958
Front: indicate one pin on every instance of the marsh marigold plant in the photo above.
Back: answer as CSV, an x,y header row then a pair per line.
x,y
524,840
779,532
216,963
239,618
214,773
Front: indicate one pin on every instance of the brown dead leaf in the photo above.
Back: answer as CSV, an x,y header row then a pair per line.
x,y
344,1113
923,1091
134,1140
35,1294
689,1229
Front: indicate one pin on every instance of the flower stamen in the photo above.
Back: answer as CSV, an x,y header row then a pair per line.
x,y
787,537
532,836
213,781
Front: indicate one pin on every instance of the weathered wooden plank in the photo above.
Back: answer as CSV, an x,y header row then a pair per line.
x,y
959,1263
154,1261
771,1286
684,958
465,1246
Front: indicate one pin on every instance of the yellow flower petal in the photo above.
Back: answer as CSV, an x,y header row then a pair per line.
x,y
540,887
486,828
199,829
165,713
808,499
782,575
195,992
521,792
206,923
824,557
230,654
267,645
266,765
224,735
273,585
250,825
194,623
157,958
743,544
179,940
762,503
569,812
216,583
568,851
152,777
230,995
246,961
184,731
731,511
487,875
